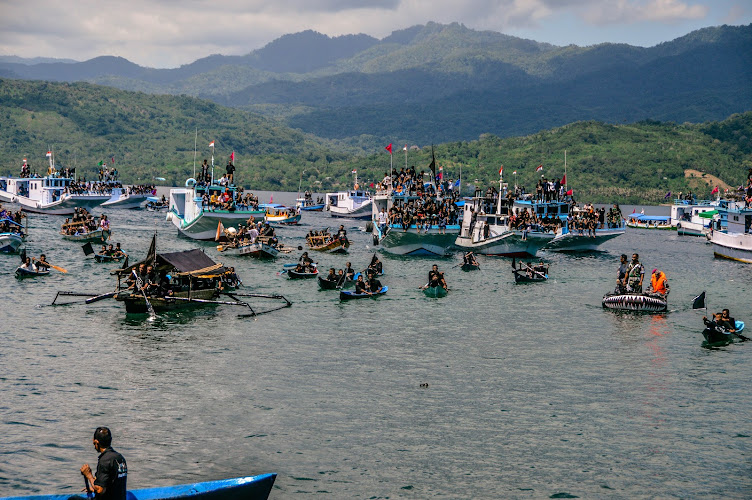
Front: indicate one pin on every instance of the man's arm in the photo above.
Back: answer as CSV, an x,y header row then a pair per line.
x,y
86,471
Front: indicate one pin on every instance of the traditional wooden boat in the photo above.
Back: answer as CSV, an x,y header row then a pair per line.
x,y
327,284
280,214
529,276
30,273
642,221
636,302
100,257
715,337
348,295
470,267
295,275
248,488
257,249
332,245
435,292
88,236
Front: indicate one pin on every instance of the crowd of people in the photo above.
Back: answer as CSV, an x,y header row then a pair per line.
x,y
250,232
631,275
323,237
12,222
425,212
112,251
83,222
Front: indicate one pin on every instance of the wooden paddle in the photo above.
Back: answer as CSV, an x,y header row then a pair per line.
x,y
58,268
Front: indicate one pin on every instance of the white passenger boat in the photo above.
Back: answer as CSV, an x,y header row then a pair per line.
x,y
570,238
643,221
122,197
353,204
693,218
197,220
734,242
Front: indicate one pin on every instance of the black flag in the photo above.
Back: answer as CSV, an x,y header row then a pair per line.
x,y
88,249
699,302
23,256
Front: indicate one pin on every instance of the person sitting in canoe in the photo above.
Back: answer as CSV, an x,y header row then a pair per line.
x,y
332,276
658,283
42,263
374,285
112,470
305,259
469,259
361,286
725,314
436,278
349,272
118,251
29,265
719,324
375,265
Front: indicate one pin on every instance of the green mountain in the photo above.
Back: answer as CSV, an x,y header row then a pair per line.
x,y
153,136
438,83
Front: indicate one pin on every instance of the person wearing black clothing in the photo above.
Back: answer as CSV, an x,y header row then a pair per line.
x,y
230,169
349,271
436,277
374,285
112,470
361,286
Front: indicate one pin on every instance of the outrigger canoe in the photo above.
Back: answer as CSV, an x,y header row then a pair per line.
x,y
28,273
636,302
718,338
435,292
348,295
247,488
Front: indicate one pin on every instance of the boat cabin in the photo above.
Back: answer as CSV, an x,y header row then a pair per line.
x,y
45,190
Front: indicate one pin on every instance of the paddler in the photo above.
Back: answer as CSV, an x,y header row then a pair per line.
x,y
374,285
42,263
658,283
112,470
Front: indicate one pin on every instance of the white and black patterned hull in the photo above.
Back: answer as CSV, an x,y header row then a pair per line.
x,y
637,302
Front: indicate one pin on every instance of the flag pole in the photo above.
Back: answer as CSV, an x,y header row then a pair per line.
x,y
195,145
566,181
212,177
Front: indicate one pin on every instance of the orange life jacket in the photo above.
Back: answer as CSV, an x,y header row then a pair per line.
x,y
658,282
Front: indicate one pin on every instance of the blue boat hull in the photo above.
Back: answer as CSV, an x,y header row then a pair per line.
x,y
346,295
248,488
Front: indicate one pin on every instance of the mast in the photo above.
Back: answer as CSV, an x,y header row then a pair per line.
x,y
565,172
195,145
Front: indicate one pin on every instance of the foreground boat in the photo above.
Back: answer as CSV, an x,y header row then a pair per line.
x,y
636,302
90,236
257,249
246,488
349,295
717,338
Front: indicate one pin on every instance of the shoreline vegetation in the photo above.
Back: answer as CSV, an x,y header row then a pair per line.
x,y
153,136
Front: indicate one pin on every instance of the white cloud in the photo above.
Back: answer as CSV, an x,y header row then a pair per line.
x,y
167,33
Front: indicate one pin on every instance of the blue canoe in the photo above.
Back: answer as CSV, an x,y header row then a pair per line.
x,y
348,295
248,488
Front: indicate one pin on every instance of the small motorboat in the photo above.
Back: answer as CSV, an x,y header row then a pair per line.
x,y
348,295
715,337
435,292
636,302
249,488
22,272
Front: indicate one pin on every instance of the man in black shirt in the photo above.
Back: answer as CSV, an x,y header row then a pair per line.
x,y
112,471
230,169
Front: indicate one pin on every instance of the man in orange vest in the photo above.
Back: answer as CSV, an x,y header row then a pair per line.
x,y
658,283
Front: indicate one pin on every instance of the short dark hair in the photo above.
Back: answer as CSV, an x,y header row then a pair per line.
x,y
624,256
104,436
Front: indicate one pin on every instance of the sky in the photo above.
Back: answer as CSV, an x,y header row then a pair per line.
x,y
169,33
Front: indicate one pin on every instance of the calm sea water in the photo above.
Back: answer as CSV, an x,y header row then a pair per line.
x,y
534,391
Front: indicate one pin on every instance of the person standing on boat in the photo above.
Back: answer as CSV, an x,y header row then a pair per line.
x,y
621,275
635,275
342,234
383,219
112,470
658,283
230,169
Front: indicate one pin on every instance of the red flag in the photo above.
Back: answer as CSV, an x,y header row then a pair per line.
x,y
370,185
564,179
570,192
232,156
501,169
539,168
389,148
715,190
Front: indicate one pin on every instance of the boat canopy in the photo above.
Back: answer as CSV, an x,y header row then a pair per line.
x,y
709,214
645,218
193,262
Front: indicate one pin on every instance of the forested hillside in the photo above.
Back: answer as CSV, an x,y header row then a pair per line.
x,y
153,136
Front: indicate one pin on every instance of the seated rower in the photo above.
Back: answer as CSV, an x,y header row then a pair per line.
x,y
658,283
42,263
103,251
110,250
332,276
374,285
725,314
29,265
718,323
469,258
375,265
349,272
361,286
436,278
118,251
